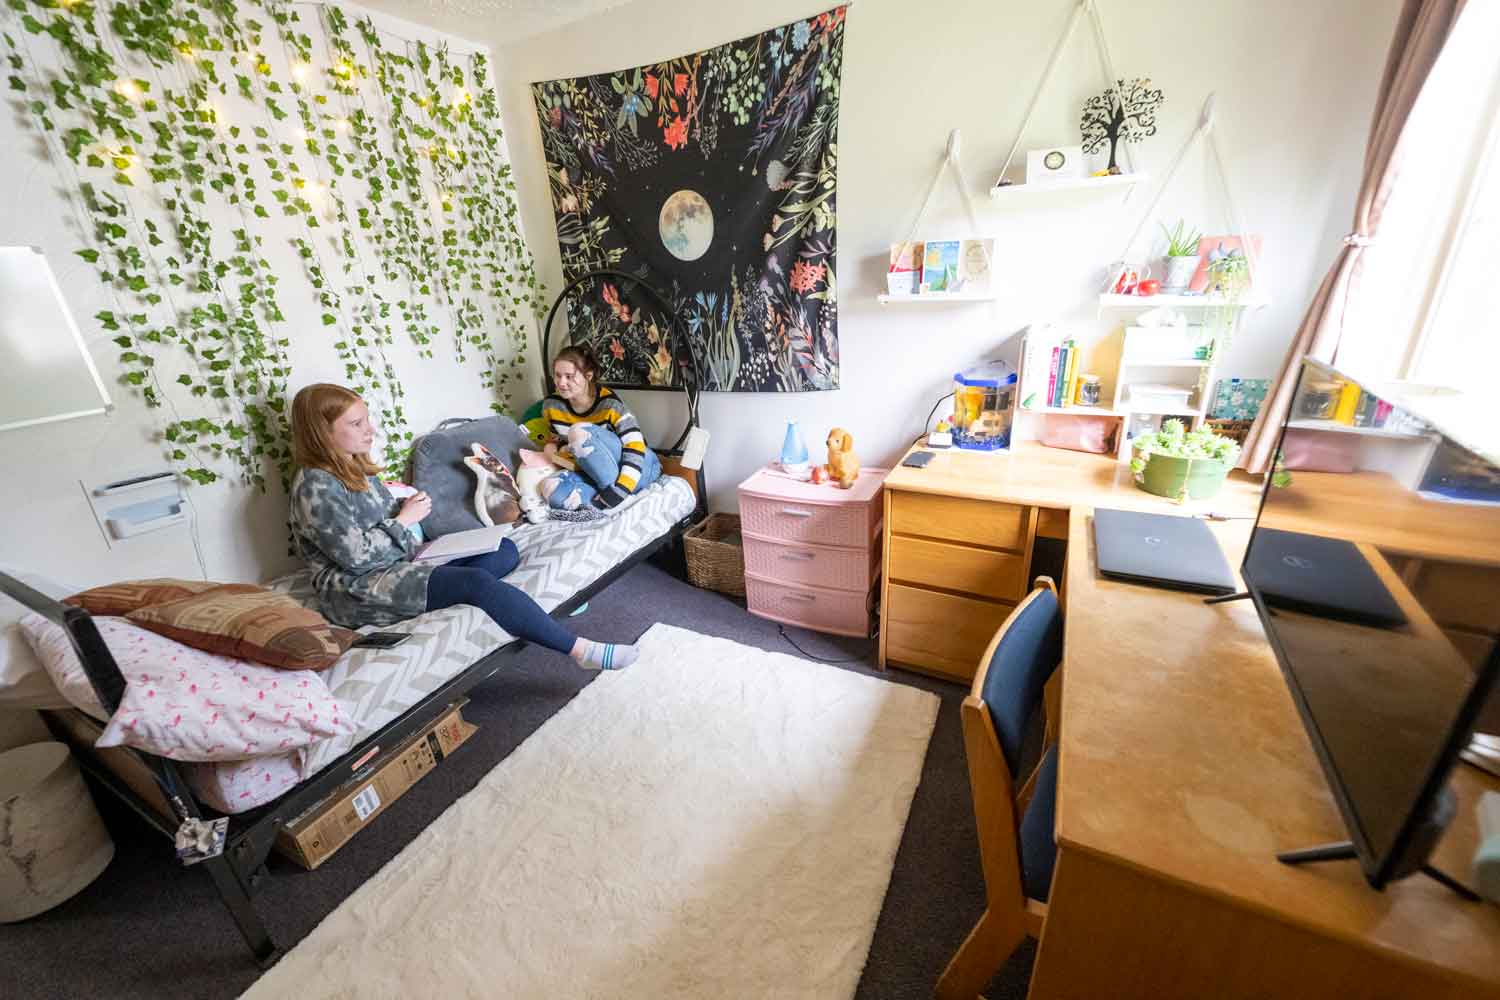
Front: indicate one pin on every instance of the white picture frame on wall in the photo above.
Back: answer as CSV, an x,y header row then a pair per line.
x,y
46,373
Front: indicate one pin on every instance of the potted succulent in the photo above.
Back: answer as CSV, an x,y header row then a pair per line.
x,y
1182,257
1180,464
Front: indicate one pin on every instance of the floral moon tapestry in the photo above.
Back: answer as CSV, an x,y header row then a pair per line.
x,y
712,178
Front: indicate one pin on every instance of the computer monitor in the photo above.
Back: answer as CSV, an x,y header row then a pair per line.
x,y
1375,569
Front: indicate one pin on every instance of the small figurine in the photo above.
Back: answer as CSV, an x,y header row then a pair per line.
x,y
843,464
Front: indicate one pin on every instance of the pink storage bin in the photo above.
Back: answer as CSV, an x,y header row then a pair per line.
x,y
819,565
842,612
777,508
1319,451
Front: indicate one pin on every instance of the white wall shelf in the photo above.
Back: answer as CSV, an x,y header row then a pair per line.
x,y
1148,363
1111,301
1004,191
934,298
1076,411
1338,428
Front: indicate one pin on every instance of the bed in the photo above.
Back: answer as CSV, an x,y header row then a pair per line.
x,y
394,692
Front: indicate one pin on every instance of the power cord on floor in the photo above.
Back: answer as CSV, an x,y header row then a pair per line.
x,y
815,656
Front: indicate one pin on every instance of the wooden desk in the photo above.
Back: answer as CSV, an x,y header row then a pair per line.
x,y
1184,768
960,537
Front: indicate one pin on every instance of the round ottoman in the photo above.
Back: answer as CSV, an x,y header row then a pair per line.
x,y
52,842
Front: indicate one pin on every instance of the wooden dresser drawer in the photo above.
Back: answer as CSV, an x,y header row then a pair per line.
x,y
1000,575
939,632
974,522
819,565
843,612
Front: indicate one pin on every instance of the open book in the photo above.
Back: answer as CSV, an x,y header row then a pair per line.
x,y
462,543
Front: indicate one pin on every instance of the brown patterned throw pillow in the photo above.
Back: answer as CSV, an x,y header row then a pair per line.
x,y
118,599
232,619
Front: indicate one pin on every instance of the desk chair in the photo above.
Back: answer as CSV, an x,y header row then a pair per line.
x,y
1017,674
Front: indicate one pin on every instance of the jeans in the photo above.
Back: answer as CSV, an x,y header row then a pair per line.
x,y
476,580
598,463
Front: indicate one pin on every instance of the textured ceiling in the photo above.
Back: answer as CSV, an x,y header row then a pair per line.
x,y
493,22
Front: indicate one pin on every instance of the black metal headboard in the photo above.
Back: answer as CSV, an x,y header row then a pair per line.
x,y
675,338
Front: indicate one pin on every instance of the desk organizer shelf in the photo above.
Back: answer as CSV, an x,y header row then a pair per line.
x,y
812,556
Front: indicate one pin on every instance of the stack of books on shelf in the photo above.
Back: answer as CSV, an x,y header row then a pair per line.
x,y
1050,373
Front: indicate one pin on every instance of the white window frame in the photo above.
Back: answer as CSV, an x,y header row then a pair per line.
x,y
1483,170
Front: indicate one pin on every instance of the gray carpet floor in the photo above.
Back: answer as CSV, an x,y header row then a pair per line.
x,y
146,928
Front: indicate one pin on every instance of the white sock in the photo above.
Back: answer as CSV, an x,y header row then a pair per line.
x,y
593,655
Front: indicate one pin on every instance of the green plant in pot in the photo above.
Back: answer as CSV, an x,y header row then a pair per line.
x,y
1182,256
1180,464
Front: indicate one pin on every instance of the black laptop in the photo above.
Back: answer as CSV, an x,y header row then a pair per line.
x,y
1162,550
1321,576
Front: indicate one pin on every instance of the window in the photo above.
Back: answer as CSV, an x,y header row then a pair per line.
x,y
1425,304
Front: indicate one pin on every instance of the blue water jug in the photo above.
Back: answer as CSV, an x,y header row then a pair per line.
x,y
794,453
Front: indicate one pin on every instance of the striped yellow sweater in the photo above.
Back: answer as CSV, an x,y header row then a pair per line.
x,y
608,411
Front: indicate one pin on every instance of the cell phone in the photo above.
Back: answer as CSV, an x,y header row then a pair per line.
x,y
381,640
917,459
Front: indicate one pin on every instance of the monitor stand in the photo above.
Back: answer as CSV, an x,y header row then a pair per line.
x,y
1413,860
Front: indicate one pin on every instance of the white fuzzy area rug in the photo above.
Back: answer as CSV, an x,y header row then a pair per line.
x,y
714,821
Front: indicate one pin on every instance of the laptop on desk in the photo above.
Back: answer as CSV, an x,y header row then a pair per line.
x,y
1322,576
1162,550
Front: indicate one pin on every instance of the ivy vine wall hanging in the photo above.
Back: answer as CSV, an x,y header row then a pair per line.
x,y
208,144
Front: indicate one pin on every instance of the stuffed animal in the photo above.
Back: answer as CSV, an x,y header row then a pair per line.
x,y
535,426
535,469
843,464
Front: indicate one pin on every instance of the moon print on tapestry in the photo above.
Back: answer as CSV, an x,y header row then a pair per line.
x,y
687,225
711,177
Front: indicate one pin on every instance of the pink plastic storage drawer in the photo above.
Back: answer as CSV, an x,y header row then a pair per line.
x,y
819,565
777,508
843,612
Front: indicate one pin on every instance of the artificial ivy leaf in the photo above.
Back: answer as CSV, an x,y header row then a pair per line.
x,y
92,256
329,319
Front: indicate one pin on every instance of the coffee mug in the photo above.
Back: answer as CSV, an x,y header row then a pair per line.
x,y
1126,277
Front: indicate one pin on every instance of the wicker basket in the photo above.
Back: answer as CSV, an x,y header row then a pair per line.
x,y
1236,429
716,555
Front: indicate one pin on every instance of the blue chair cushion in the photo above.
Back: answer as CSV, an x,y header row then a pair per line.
x,y
1025,658
1038,841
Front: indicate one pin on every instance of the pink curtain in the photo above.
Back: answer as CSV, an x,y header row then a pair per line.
x,y
1421,32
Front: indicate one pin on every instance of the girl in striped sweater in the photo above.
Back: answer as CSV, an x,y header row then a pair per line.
x,y
596,436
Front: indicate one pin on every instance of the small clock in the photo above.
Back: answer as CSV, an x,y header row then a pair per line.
x,y
1058,163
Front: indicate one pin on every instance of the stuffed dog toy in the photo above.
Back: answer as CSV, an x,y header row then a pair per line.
x,y
843,464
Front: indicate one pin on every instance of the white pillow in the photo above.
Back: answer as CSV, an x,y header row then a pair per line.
x,y
23,681
187,704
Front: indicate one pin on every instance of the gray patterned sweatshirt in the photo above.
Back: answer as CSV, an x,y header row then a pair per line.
x,y
359,554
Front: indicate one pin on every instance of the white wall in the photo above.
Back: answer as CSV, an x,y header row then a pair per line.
x,y
46,524
1295,85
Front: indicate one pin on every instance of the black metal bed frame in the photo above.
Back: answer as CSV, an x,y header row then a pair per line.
x,y
241,868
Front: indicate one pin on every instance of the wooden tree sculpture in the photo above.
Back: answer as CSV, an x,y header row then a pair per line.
x,y
1123,112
